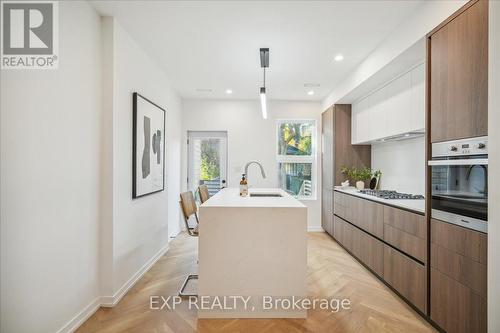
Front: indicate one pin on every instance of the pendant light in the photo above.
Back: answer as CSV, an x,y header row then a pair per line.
x,y
264,63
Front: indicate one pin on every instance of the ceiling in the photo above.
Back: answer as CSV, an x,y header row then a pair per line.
x,y
214,45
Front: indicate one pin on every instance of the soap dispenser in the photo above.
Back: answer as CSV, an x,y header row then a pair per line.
x,y
243,186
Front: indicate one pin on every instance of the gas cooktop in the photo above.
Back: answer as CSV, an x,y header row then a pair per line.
x,y
385,194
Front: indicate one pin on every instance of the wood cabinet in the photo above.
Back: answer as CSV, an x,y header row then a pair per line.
x,y
455,307
458,277
391,241
406,231
396,108
458,58
336,152
407,276
365,214
327,149
327,211
366,248
327,171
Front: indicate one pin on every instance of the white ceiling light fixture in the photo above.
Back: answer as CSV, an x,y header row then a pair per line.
x,y
310,92
264,63
339,57
229,91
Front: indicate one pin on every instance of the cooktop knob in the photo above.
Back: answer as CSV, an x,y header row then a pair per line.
x,y
454,148
481,145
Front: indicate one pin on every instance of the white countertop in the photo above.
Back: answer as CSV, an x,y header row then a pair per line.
x,y
416,205
230,197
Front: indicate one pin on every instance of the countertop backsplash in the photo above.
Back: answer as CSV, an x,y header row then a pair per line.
x,y
402,164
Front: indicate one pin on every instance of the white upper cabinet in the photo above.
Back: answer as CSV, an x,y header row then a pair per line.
x,y
418,97
396,108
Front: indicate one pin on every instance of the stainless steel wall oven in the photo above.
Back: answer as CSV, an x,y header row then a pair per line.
x,y
460,182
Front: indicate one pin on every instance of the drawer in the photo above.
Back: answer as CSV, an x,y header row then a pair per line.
x,y
455,307
407,243
363,213
410,223
340,205
468,243
367,215
366,248
468,272
407,276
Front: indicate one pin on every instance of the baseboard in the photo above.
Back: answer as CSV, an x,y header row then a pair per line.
x,y
81,317
315,229
110,301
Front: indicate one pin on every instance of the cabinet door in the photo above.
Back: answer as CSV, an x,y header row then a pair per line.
x,y
366,248
458,277
327,149
406,231
367,215
407,276
459,76
361,120
417,99
377,126
327,211
397,105
455,307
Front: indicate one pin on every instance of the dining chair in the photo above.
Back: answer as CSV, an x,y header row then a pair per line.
x,y
203,191
188,205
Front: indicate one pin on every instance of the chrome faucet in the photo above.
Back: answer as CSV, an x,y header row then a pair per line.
x,y
261,169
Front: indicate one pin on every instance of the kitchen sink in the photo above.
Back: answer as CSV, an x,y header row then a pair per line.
x,y
274,195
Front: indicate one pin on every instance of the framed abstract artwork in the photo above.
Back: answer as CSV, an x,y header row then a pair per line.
x,y
148,147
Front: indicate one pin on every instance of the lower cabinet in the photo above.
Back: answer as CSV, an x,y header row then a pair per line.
x,y
327,211
455,307
366,248
365,214
458,278
407,276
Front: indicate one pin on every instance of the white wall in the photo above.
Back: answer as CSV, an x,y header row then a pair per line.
x,y
71,236
50,176
426,17
494,165
402,164
250,137
140,226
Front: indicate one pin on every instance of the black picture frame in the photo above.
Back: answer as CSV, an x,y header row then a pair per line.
x,y
135,112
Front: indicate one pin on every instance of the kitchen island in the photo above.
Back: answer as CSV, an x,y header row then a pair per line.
x,y
254,247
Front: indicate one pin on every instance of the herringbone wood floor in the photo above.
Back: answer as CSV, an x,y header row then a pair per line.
x,y
331,273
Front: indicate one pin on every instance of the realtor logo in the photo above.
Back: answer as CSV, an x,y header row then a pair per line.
x,y
29,35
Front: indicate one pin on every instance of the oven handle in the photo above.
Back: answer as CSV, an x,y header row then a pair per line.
x,y
476,161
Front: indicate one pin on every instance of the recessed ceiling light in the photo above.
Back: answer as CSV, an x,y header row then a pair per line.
x,y
310,92
407,134
229,91
339,57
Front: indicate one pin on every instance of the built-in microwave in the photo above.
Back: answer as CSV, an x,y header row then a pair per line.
x,y
459,192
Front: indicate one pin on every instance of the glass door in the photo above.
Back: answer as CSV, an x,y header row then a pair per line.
x,y
207,160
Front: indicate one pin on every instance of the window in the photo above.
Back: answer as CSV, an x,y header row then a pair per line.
x,y
296,157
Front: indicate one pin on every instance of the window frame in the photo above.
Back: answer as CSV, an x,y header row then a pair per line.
x,y
313,158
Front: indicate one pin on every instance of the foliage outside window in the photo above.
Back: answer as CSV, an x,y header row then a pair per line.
x,y
210,168
296,157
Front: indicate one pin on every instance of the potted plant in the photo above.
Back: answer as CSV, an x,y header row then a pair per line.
x,y
358,175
